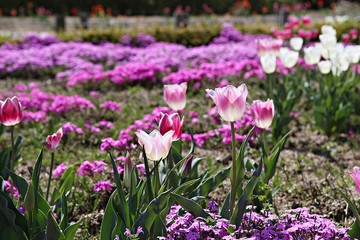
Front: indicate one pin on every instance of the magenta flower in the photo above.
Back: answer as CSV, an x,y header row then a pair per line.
x,y
86,168
7,186
10,112
230,101
59,170
263,113
52,141
171,123
356,176
103,186
175,96
156,146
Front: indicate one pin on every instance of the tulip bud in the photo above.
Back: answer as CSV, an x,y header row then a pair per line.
x,y
127,170
356,176
324,66
288,58
10,112
296,43
156,146
268,64
175,96
263,113
171,123
230,101
52,141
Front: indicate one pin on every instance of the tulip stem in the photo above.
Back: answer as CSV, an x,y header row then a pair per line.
x,y
266,150
50,175
148,177
233,180
12,160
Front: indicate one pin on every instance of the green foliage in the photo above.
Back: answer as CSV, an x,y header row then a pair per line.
x,y
354,231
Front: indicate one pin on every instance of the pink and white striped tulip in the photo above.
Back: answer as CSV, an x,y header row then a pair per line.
x,y
171,122
156,146
175,96
356,176
52,141
263,113
10,112
230,101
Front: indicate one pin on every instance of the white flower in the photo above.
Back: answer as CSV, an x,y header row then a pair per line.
x,y
352,53
288,58
296,43
268,64
323,51
324,66
328,30
341,19
328,41
312,55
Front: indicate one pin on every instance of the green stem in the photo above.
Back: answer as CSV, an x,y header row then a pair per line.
x,y
50,175
233,167
148,177
266,150
12,162
170,160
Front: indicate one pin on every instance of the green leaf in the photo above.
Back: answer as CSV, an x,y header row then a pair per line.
x,y
20,183
70,231
36,177
210,183
240,172
190,206
53,231
109,220
148,216
225,210
64,213
41,219
240,207
186,185
67,182
9,229
354,231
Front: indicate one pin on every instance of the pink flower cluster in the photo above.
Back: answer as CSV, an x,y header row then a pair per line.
x,y
90,168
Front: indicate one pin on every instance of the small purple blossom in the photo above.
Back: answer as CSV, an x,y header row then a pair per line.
x,y
103,186
59,170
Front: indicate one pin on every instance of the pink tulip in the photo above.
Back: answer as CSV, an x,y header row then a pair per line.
x,y
171,123
263,113
10,112
230,101
175,96
156,146
52,141
306,20
356,176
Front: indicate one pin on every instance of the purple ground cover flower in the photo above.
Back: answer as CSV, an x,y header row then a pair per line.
x,y
59,170
103,186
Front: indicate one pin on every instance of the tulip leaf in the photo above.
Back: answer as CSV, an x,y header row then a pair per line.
x,y
240,171
240,208
225,210
36,177
109,220
67,182
148,216
41,219
186,185
20,183
64,213
189,205
354,232
53,231
70,231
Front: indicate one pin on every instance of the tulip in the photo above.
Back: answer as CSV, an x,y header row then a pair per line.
x,y
268,64
356,176
328,30
323,51
52,141
175,96
296,43
306,20
230,101
10,112
288,58
263,113
312,55
352,53
156,146
328,41
324,66
171,123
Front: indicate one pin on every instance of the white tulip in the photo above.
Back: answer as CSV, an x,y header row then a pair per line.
x,y
328,30
312,55
352,53
328,41
323,51
288,58
296,43
268,64
324,66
